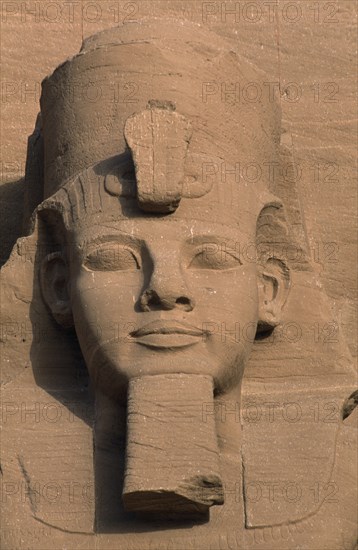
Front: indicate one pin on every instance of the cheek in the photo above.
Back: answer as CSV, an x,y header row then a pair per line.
x,y
97,289
102,304
227,295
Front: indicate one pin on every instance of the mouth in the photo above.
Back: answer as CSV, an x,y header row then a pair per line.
x,y
167,334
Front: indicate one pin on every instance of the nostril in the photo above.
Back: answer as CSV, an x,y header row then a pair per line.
x,y
150,299
184,302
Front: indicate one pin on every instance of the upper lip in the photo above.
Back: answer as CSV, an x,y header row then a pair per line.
x,y
167,327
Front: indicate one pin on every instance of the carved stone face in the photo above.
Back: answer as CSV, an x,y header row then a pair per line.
x,y
162,294
153,296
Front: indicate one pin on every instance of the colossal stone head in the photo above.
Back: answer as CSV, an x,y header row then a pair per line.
x,y
158,219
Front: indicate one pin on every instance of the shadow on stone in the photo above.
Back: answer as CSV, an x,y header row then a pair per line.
x,y
11,200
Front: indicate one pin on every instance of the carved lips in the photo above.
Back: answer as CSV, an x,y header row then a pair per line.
x,y
168,334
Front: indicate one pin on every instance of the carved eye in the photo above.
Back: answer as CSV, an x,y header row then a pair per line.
x,y
112,257
214,256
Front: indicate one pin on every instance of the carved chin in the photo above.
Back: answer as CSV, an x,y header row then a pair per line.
x,y
111,368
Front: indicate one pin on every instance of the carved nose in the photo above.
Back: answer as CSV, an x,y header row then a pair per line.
x,y
153,299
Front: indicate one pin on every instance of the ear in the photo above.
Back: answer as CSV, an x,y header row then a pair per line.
x,y
273,288
54,281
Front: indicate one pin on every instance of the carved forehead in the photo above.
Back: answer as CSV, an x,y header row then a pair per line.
x,y
107,192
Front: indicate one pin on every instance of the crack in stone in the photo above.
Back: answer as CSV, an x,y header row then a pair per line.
x,y
30,490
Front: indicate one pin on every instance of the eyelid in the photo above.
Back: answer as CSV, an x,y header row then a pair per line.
x,y
220,250
106,244
130,243
220,258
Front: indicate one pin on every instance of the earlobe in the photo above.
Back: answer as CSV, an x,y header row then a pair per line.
x,y
54,280
273,288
